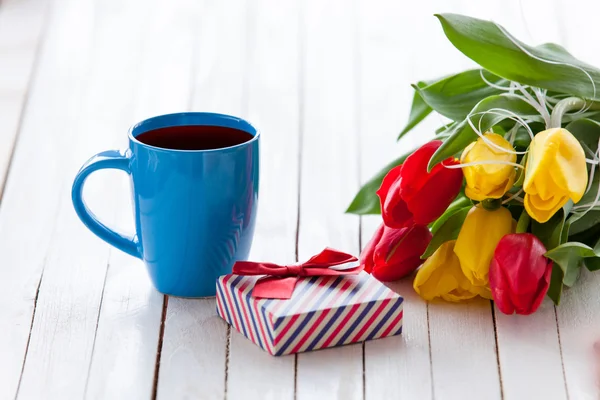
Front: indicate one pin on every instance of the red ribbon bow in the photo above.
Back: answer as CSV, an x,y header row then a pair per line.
x,y
280,280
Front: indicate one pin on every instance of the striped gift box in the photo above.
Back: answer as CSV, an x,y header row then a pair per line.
x,y
322,312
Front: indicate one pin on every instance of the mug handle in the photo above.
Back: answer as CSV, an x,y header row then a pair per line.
x,y
107,159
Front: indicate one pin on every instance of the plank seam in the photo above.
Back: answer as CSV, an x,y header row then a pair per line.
x,y
295,376
301,94
562,361
430,357
194,68
37,293
30,84
227,349
161,334
250,18
563,35
87,379
497,349
357,124
48,10
364,378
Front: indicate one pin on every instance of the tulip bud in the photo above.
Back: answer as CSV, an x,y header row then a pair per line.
x,y
519,274
409,194
488,180
555,172
478,237
442,277
394,253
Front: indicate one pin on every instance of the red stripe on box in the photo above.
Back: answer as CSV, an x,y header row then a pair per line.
x,y
368,291
377,312
321,317
265,337
393,324
240,297
229,302
220,305
313,293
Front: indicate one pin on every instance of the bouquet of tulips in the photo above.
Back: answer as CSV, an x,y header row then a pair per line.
x,y
505,202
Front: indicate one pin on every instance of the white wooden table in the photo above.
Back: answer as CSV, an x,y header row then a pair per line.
x,y
327,82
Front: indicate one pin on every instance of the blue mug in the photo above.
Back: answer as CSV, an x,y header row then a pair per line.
x,y
195,210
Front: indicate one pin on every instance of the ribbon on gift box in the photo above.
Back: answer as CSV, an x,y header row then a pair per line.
x,y
280,280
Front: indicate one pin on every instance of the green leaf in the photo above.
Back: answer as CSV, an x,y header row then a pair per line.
x,y
593,263
455,96
522,138
587,131
556,284
520,178
553,232
366,200
523,223
569,256
461,201
445,128
548,66
589,236
418,111
463,134
592,218
590,197
448,231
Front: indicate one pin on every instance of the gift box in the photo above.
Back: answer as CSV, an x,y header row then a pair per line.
x,y
322,311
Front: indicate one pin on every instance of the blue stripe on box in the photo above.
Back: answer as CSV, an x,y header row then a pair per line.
x,y
224,304
310,315
237,306
360,317
340,310
253,318
267,325
296,297
381,323
364,278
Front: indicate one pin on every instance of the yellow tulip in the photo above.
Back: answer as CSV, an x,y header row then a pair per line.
x,y
488,181
441,277
478,237
555,172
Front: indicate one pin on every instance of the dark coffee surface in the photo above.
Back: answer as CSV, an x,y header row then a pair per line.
x,y
194,137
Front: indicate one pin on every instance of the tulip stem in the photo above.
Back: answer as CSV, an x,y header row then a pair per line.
x,y
491,204
523,223
569,104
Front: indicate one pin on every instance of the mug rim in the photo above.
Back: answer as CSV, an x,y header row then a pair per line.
x,y
216,116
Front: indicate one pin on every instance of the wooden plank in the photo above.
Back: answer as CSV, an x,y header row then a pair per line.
x,y
64,327
398,35
125,350
36,175
21,26
195,348
528,347
329,170
578,315
578,320
529,354
481,363
451,327
462,337
463,353
272,104
389,62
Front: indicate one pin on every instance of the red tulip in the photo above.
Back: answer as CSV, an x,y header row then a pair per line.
x,y
519,273
409,194
394,253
